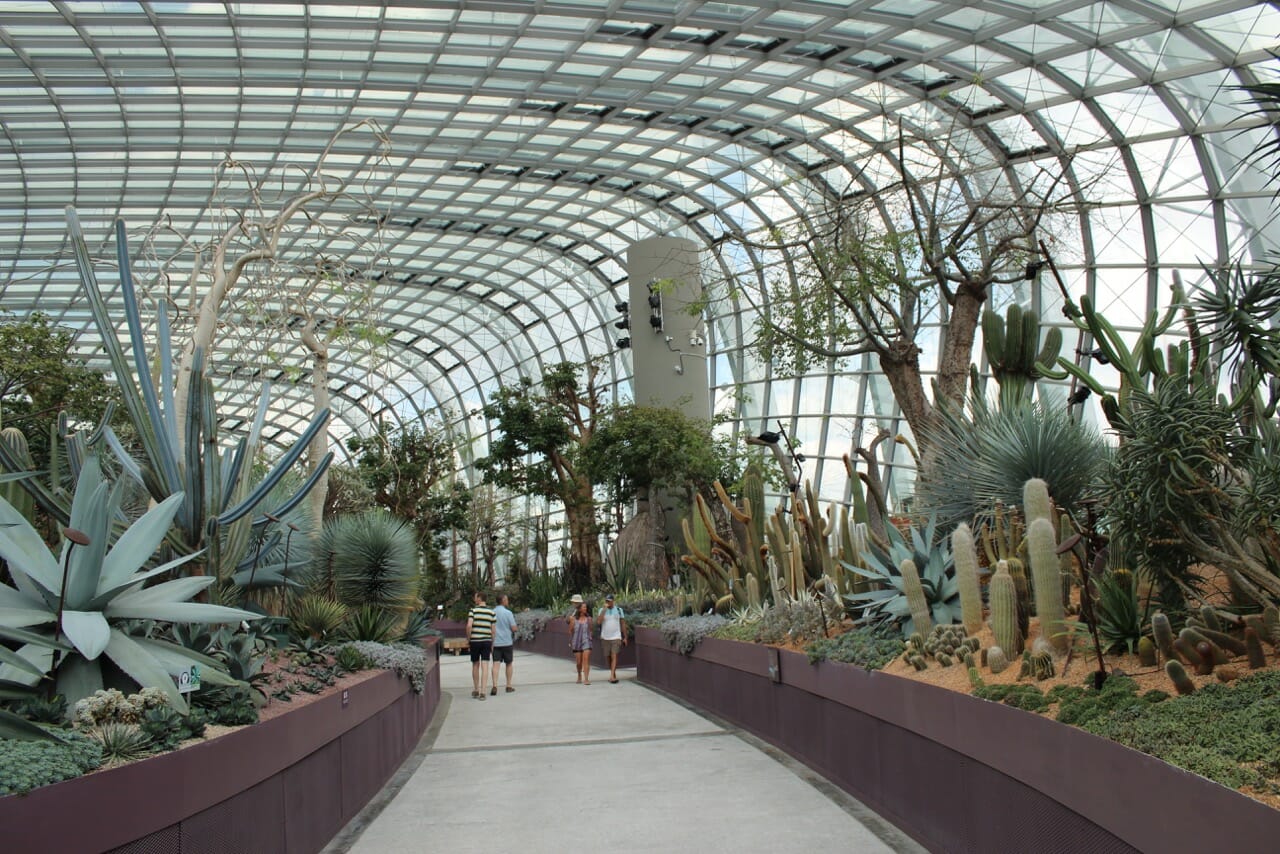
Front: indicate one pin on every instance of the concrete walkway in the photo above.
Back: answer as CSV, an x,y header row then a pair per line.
x,y
556,766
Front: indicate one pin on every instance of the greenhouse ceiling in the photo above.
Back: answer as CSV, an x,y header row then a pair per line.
x,y
480,169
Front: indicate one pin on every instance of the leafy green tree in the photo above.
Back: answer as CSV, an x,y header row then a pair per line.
x,y
639,448
41,376
541,431
404,470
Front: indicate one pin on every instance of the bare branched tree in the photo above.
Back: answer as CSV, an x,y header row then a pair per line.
x,y
866,270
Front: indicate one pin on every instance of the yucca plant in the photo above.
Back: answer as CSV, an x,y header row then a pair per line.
x,y
78,609
370,558
987,455
316,617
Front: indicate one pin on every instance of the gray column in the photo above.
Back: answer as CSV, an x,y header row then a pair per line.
x,y
669,364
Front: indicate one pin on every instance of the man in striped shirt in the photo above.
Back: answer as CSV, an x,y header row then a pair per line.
x,y
480,621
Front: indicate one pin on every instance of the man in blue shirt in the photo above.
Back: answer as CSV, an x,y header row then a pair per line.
x,y
504,626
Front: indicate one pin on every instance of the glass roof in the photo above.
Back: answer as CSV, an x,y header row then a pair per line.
x,y
497,160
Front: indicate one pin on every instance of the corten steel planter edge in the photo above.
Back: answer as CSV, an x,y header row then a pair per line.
x,y
1125,792
117,806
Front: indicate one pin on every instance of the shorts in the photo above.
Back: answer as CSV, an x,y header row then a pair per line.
x,y
503,654
480,650
611,646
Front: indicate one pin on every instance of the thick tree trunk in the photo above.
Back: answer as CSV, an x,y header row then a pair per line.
x,y
585,558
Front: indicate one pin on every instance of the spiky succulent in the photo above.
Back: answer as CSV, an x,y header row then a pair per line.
x,y
73,610
933,561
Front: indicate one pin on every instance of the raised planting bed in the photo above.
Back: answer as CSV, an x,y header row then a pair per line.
x,y
955,772
287,784
553,640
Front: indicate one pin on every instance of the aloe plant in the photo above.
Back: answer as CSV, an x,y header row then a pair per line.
x,y
72,611
220,504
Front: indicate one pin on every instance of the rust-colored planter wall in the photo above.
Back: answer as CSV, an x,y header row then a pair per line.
x,y
553,640
957,773
284,785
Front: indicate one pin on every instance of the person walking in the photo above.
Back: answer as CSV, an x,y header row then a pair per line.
x,y
580,640
480,621
504,640
613,634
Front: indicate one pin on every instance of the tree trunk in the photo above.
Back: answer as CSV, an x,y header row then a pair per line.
x,y
585,558
320,444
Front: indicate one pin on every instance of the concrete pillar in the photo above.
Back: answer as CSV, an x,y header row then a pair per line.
x,y
669,364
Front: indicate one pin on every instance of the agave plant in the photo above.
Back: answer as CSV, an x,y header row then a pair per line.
x,y
932,557
220,504
75,611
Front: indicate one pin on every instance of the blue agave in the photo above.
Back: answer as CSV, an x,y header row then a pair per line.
x,y
932,556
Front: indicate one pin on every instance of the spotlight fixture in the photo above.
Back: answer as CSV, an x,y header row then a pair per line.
x,y
624,343
656,322
655,300
624,323
1097,354
621,306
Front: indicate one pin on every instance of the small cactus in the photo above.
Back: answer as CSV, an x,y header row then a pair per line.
x,y
1205,649
1187,650
975,678
1257,656
944,659
1178,675
916,600
1146,652
917,661
1042,665
966,566
1226,674
997,661
1004,609
1227,642
1216,653
1162,632
1271,621
968,660
1210,618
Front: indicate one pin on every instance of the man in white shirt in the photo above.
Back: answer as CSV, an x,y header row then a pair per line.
x,y
613,634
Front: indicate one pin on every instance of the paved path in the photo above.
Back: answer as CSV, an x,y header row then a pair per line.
x,y
557,767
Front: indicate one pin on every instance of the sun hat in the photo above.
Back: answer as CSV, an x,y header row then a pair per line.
x,y
575,599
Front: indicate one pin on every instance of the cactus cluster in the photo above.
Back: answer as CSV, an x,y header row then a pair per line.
x,y
946,645
1208,643
1038,662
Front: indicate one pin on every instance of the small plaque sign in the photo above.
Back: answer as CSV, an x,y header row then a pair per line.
x,y
189,679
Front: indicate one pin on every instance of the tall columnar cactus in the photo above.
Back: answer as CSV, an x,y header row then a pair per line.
x,y
16,443
1014,350
1162,633
965,554
916,600
753,501
1004,610
1036,503
1045,572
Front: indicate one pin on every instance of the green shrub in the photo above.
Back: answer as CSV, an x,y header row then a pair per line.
x,y
863,647
167,729
370,623
1079,706
1026,697
27,765
350,659
233,705
408,661
1228,733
